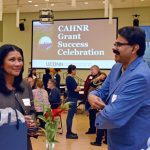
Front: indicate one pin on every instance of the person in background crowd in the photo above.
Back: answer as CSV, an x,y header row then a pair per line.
x,y
73,94
40,95
31,82
13,89
45,79
57,77
91,83
123,99
32,78
33,74
54,95
100,132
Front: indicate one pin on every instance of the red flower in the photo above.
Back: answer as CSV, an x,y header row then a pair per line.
x,y
46,115
56,112
51,123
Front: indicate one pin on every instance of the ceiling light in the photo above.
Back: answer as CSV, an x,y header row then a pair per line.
x,y
142,0
86,3
47,0
30,1
52,4
36,5
103,2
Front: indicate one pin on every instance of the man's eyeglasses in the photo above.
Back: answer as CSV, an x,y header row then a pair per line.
x,y
118,44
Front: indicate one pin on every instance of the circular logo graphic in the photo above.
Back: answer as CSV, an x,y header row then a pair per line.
x,y
45,43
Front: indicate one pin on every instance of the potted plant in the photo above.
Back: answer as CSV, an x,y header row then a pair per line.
x,y
51,118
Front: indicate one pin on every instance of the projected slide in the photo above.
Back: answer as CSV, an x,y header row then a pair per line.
x,y
80,42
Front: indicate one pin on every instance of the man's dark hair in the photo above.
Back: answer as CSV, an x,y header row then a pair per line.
x,y
47,71
71,68
57,69
134,35
53,81
31,72
4,50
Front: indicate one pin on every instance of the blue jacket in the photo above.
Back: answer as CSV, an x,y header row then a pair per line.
x,y
127,113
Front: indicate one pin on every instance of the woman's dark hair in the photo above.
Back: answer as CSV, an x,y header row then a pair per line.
x,y
71,68
47,71
134,35
4,50
31,73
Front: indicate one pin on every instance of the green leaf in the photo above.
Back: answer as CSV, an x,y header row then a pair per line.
x,y
42,118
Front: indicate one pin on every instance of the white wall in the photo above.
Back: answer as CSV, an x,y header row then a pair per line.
x,y
13,35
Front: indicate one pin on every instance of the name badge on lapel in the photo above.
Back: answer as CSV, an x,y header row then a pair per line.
x,y
26,101
114,97
90,77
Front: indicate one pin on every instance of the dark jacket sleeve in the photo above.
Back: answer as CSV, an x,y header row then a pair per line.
x,y
54,96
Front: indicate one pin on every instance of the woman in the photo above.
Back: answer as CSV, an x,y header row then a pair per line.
x,y
32,78
100,132
91,83
73,93
14,92
41,96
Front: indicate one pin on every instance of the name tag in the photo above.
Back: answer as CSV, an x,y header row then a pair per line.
x,y
90,77
26,101
114,97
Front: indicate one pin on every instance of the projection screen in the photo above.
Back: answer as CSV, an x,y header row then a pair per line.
x,y
83,43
